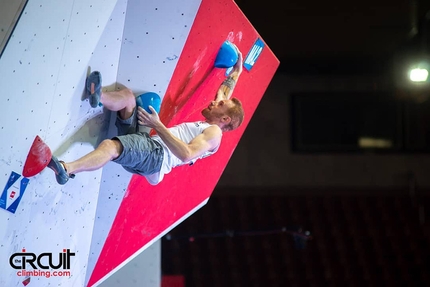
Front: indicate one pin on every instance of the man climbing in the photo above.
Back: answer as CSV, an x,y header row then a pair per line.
x,y
155,156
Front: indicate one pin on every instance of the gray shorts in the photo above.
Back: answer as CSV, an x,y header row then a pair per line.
x,y
128,126
141,154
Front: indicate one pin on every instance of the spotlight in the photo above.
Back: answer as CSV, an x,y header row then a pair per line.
x,y
418,75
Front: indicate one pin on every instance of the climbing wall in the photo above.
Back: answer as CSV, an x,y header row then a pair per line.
x,y
103,224
147,212
154,36
43,70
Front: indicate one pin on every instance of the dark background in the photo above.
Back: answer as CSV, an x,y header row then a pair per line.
x,y
299,167
328,36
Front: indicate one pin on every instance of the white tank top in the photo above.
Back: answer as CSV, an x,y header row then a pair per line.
x,y
185,132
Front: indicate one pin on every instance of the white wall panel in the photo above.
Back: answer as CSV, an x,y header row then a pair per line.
x,y
43,69
154,35
114,178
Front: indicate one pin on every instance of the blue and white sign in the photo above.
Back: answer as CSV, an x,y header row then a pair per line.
x,y
253,54
13,192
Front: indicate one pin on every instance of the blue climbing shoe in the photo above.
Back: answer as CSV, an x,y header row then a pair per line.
x,y
60,171
96,79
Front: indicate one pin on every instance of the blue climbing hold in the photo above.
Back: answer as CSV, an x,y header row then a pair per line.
x,y
149,99
227,56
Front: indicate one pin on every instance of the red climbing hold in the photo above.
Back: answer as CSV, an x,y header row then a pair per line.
x,y
37,159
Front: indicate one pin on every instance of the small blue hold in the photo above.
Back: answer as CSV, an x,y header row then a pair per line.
x,y
149,99
227,56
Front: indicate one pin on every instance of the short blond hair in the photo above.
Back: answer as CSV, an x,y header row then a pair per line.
x,y
236,115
